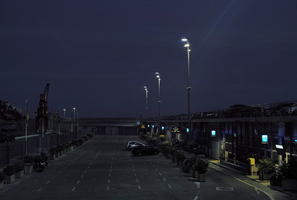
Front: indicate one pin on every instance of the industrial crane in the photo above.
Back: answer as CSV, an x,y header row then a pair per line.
x,y
42,111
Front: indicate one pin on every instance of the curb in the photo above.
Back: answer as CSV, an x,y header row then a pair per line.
x,y
291,195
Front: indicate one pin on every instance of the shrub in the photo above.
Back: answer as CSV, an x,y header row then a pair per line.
x,y
53,151
9,170
266,166
165,149
187,165
201,166
43,157
19,166
289,170
28,159
1,176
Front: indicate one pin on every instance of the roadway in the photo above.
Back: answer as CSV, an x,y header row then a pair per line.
x,y
100,169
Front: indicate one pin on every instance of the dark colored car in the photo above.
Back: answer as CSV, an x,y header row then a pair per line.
x,y
145,150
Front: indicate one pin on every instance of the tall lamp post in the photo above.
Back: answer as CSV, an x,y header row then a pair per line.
x,y
26,127
64,113
158,77
188,87
74,131
146,97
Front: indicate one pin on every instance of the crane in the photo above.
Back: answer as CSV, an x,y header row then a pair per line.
x,y
42,111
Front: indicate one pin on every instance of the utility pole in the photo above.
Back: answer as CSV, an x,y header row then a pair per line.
x,y
26,127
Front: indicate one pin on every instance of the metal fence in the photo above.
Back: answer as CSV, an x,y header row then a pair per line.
x,y
12,151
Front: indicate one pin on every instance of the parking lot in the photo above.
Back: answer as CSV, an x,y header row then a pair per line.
x,y
101,169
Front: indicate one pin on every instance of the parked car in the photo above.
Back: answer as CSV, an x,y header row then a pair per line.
x,y
132,144
144,150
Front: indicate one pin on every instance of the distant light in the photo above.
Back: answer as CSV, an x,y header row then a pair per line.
x,y
148,126
188,130
157,75
264,139
74,108
295,140
278,146
163,128
187,45
138,122
153,126
184,40
213,133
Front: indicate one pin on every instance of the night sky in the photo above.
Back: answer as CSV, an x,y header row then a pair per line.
x,y
98,54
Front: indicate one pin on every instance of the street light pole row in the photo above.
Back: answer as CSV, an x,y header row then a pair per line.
x,y
187,45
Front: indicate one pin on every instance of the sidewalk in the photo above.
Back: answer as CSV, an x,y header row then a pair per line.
x,y
275,193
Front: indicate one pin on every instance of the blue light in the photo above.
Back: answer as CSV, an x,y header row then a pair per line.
x,y
188,130
295,140
163,128
153,126
213,133
264,139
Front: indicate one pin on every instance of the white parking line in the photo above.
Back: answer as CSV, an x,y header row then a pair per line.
x,y
196,197
107,188
78,182
160,173
73,189
108,180
137,181
257,190
197,184
139,187
170,187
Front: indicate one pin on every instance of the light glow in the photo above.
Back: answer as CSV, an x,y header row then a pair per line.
x,y
278,146
187,45
184,40
157,75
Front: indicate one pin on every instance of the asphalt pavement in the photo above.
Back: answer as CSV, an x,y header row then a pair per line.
x,y
101,169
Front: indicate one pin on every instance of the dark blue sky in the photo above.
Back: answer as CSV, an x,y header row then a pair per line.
x,y
98,54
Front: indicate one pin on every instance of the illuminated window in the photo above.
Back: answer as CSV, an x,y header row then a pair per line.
x,y
213,133
264,139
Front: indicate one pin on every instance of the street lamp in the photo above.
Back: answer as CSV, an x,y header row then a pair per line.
x,y
188,87
73,120
158,77
64,113
146,97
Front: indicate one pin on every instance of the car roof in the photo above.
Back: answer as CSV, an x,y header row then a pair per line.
x,y
134,141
